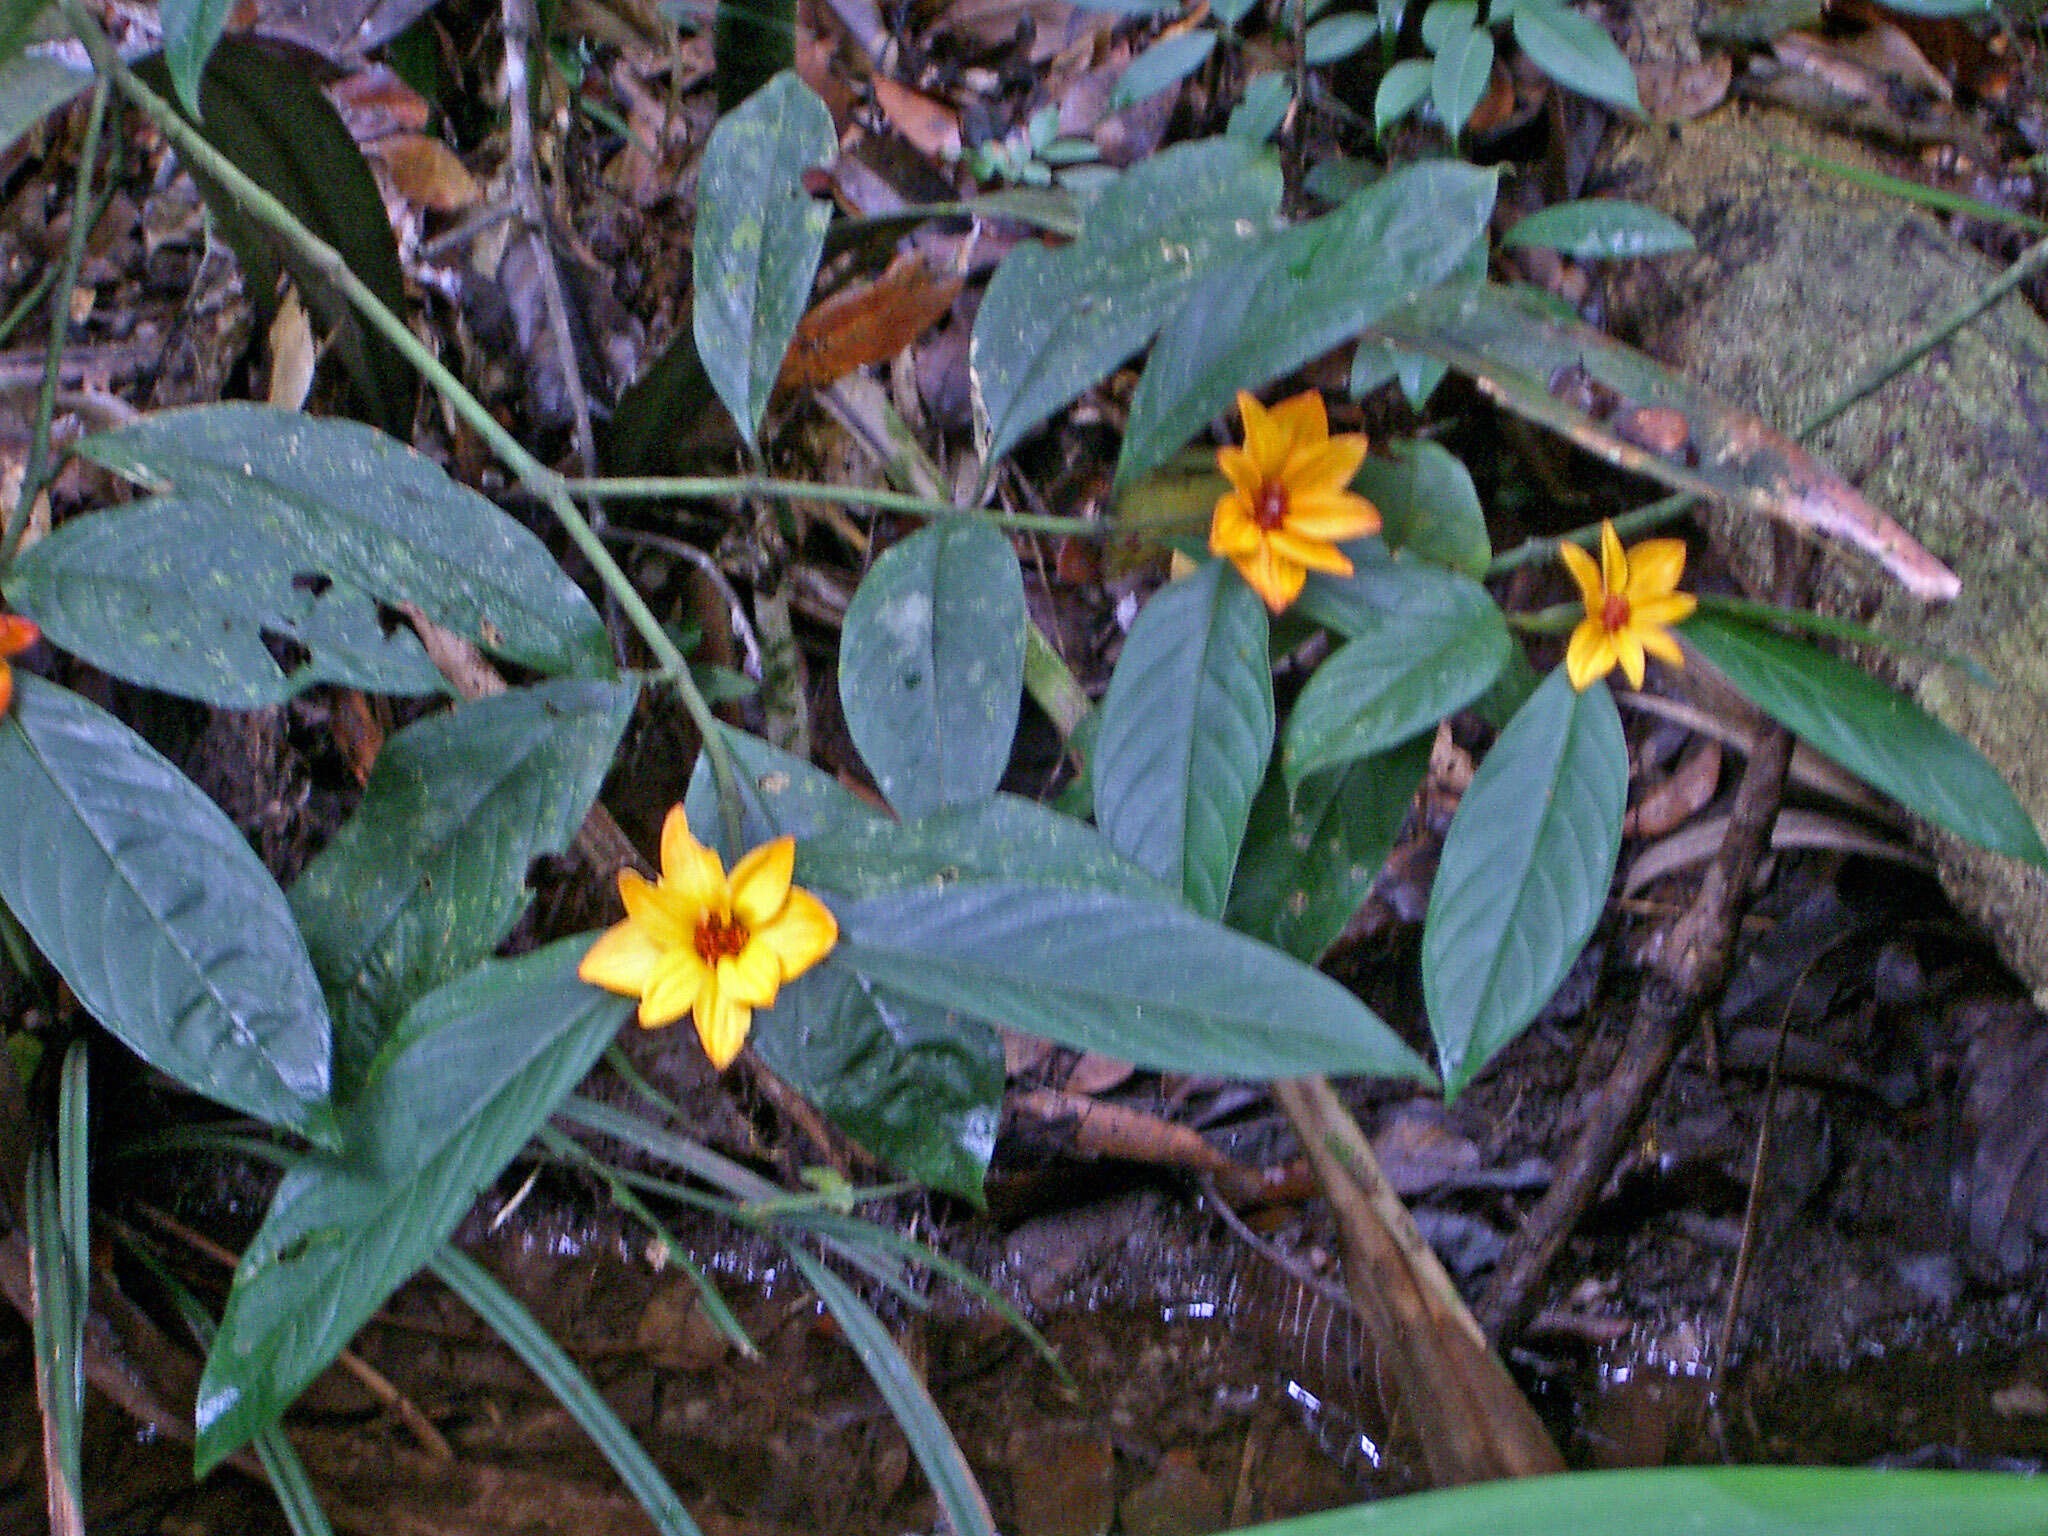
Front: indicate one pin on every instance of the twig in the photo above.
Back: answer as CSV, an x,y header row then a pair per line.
x,y
683,550
1286,1263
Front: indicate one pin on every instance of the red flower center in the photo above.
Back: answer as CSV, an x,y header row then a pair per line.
x,y
720,938
1269,507
1614,612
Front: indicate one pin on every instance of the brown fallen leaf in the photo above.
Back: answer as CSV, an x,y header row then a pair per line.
x,y
931,127
1676,799
868,322
425,172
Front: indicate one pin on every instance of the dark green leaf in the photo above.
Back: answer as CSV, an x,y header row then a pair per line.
x,y
266,113
191,28
1577,53
758,239
1263,107
156,913
1333,38
352,506
1132,978
187,597
931,665
1726,1501
1380,590
31,88
1428,505
1400,673
488,1058
918,1086
1167,62
1446,21
780,796
1877,734
1054,322
1187,726
1298,294
1524,873
1601,228
429,875
1401,91
1311,857
1378,362
1000,838
1459,72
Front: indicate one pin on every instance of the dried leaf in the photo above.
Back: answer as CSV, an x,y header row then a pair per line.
x,y
868,322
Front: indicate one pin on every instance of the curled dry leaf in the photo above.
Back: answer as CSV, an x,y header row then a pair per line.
x,y
869,322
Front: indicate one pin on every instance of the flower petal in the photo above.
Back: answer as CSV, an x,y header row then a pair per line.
x,y
675,988
752,976
1590,655
1628,650
1660,644
669,921
1332,516
1585,574
1309,554
1664,611
801,935
1231,528
688,868
1654,567
17,634
1237,467
6,686
722,1026
1613,559
1303,417
1324,466
760,881
1278,582
622,959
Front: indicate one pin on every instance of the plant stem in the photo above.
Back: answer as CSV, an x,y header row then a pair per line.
x,y
542,481
648,487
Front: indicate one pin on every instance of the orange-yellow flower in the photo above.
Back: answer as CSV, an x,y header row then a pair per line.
x,y
1287,508
1632,599
16,635
697,942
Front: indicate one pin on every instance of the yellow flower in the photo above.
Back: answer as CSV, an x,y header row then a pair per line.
x,y
1288,509
1632,599
697,942
16,635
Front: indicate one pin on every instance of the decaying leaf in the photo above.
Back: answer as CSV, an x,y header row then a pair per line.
x,y
868,322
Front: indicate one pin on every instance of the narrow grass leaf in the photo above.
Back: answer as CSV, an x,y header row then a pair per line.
x,y
1187,726
1524,872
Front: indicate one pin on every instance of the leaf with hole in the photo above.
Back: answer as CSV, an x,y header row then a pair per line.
x,y
332,502
758,239
931,665
487,1059
1524,872
429,875
1187,726
1134,978
1879,735
155,912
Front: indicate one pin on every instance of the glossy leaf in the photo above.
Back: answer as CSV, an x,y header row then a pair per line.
x,y
1167,62
1458,73
265,112
1299,294
1378,362
1263,107
191,28
780,796
919,1087
161,593
758,238
487,1059
1601,228
1401,91
1877,734
1427,505
1330,39
1187,726
931,665
1524,872
1311,856
31,88
1055,321
1132,978
1684,1501
355,508
429,875
1001,838
1398,674
1577,53
156,913
511,1322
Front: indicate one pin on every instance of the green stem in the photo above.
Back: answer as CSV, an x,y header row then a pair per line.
x,y
1641,520
542,481
60,321
652,487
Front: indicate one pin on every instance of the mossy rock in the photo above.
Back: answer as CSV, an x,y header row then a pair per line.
x,y
1802,281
